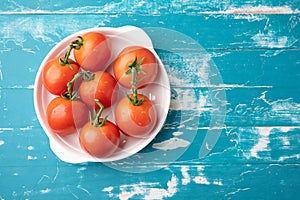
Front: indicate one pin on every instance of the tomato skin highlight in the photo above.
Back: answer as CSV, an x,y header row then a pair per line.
x,y
149,66
103,87
99,141
95,52
64,117
136,121
56,76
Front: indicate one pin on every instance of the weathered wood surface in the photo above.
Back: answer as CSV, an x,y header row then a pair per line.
x,y
255,48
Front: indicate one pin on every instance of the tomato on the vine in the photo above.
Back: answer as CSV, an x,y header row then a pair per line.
x,y
56,75
102,87
135,120
143,59
93,52
65,116
99,137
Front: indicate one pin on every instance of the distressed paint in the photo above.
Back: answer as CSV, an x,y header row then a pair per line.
x,y
256,106
255,46
171,144
188,7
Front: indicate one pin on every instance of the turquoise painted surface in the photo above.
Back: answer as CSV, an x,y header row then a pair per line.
x,y
255,47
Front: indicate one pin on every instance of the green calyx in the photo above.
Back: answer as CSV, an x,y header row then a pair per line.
x,y
136,65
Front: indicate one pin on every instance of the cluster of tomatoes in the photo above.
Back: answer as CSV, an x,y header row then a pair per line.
x,y
84,88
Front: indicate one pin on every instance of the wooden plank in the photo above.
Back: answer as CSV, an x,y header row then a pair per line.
x,y
240,145
210,31
186,69
254,46
148,7
236,68
95,181
255,106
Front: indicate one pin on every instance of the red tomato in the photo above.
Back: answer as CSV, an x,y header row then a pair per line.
x,y
94,53
135,121
99,141
149,66
65,116
56,76
103,87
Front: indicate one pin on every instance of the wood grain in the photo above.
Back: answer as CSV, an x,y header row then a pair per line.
x,y
252,106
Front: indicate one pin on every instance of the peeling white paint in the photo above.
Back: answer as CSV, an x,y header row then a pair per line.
x,y
283,158
172,143
108,189
146,190
156,190
6,129
260,10
263,141
173,7
29,157
80,169
200,168
285,141
30,148
2,142
271,39
187,100
30,87
286,129
45,191
219,54
186,177
287,108
201,180
159,193
27,128
237,191
218,182
177,133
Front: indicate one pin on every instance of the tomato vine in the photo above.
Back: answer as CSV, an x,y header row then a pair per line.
x,y
97,122
76,44
70,94
134,68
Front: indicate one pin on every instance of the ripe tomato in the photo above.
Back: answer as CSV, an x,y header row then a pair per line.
x,y
103,87
94,52
136,121
99,141
65,116
148,66
56,76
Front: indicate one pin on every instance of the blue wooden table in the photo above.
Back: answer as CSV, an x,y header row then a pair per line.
x,y
233,128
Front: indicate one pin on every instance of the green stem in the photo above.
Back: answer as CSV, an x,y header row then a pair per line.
x,y
76,44
134,68
87,76
134,85
97,122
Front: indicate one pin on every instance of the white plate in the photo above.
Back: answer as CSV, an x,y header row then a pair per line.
x,y
67,148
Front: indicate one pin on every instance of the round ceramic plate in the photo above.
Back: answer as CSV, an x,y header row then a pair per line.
x,y
67,148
